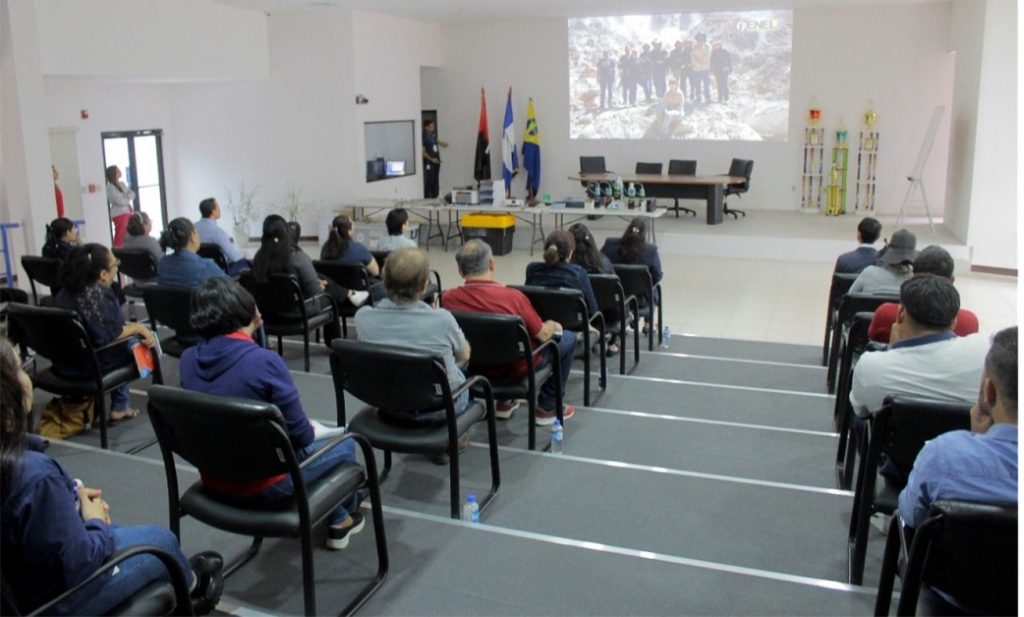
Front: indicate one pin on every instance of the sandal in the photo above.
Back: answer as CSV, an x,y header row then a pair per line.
x,y
120,416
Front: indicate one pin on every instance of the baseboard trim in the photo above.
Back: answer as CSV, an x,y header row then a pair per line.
x,y
993,270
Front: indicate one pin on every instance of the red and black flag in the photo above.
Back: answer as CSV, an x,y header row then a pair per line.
x,y
482,161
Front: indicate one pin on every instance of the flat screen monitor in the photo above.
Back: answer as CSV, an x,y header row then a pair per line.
x,y
395,168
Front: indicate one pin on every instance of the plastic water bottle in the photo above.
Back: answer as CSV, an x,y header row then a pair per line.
x,y
557,438
666,338
471,511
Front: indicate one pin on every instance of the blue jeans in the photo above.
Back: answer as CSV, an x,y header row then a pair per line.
x,y
131,575
566,354
344,452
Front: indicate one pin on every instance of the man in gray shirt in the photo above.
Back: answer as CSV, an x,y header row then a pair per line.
x,y
397,223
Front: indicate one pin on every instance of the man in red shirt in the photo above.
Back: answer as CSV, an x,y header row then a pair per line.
x,y
931,260
482,294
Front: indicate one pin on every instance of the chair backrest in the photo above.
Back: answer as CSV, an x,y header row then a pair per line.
x,y
232,439
592,165
681,167
54,333
841,283
279,298
350,275
380,257
851,304
45,270
137,263
970,552
741,168
648,168
566,306
496,339
635,278
170,306
368,371
907,422
213,251
611,298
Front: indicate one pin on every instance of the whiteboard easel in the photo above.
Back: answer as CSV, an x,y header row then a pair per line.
x,y
915,174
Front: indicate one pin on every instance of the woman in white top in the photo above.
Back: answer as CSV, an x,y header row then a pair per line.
x,y
119,197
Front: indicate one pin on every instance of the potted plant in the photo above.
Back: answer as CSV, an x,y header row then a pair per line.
x,y
244,212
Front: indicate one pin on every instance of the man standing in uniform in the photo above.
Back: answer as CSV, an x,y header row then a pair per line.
x,y
701,64
721,66
606,79
431,159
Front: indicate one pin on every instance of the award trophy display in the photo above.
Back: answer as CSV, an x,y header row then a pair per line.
x,y
837,176
814,161
867,161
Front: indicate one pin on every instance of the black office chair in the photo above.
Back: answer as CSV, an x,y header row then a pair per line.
x,y
968,550
637,281
648,168
241,440
900,429
678,167
45,270
172,307
617,309
286,311
213,251
59,333
569,308
368,372
841,283
849,306
592,165
856,343
156,598
739,168
500,342
141,266
349,275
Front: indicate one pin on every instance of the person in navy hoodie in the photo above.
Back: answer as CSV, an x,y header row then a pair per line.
x,y
229,363
557,269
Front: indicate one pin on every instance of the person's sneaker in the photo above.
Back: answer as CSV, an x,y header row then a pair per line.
x,y
547,418
358,298
503,410
208,568
442,458
337,536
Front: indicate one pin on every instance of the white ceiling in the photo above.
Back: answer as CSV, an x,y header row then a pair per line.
x,y
472,10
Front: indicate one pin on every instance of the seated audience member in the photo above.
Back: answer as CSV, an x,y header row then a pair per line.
x,y
633,248
183,267
61,237
482,294
557,270
586,254
931,260
341,247
277,255
139,227
979,465
925,358
211,233
56,532
86,278
404,319
229,363
397,222
865,254
893,267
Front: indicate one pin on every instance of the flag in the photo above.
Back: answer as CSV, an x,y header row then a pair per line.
x,y
509,156
482,161
531,153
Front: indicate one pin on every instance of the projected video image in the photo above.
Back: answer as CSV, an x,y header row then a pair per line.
x,y
722,76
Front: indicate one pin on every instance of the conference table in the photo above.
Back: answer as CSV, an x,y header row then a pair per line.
x,y
434,210
709,188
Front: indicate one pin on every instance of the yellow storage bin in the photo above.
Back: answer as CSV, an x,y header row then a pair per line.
x,y
488,220
495,229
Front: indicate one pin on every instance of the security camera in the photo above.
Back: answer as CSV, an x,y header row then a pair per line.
x,y
361,100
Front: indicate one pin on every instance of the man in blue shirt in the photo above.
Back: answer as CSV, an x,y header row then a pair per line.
x,y
210,233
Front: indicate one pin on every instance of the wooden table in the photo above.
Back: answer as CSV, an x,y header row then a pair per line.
x,y
708,188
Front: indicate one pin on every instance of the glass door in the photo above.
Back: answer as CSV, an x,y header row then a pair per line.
x,y
140,156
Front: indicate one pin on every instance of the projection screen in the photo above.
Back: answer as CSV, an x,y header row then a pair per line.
x,y
720,76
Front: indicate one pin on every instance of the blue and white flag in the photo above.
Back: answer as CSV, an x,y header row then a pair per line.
x,y
509,156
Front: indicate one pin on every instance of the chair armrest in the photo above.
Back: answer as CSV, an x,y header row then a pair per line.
x,y
469,383
551,342
596,316
326,448
183,604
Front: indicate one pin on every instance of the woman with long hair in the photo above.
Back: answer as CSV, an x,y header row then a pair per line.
x,y
586,254
55,532
184,267
61,237
557,269
633,248
119,199
86,280
341,247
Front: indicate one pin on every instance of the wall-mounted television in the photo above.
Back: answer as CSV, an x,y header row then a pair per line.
x,y
390,149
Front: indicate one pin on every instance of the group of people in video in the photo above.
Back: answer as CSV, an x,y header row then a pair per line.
x,y
677,76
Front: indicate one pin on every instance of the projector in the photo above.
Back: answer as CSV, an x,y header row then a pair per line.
x,y
464,197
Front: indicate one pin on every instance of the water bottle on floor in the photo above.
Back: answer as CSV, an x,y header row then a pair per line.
x,y
557,438
666,338
471,511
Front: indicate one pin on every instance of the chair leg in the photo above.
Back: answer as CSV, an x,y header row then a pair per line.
x,y
531,431
387,466
586,365
280,348
492,446
453,476
239,560
636,340
308,579
373,483
889,567
344,327
305,350
100,415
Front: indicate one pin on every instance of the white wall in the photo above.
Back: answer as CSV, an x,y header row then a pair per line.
x,y
896,55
